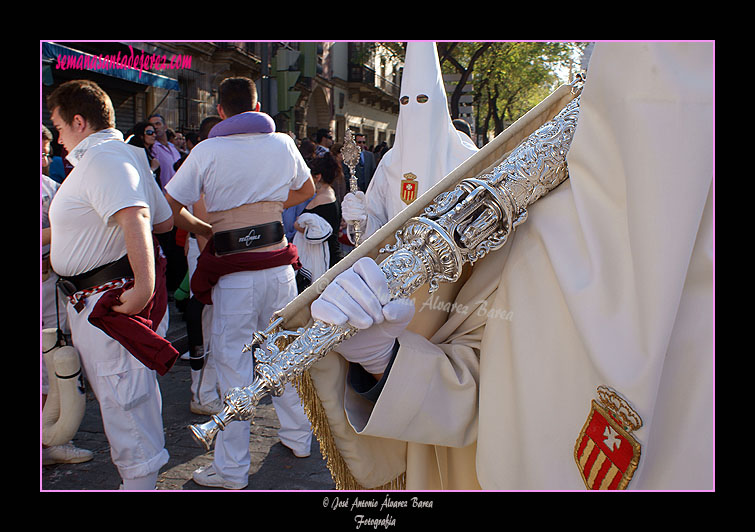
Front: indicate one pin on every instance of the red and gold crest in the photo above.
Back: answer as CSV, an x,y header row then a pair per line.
x,y
606,453
409,188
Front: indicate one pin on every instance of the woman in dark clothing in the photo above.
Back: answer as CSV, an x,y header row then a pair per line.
x,y
325,170
144,137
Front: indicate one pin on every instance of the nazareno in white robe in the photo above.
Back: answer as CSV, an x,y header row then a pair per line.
x,y
608,282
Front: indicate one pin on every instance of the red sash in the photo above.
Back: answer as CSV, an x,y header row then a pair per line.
x,y
210,267
137,333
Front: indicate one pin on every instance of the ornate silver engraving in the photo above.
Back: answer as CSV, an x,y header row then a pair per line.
x,y
459,226
350,153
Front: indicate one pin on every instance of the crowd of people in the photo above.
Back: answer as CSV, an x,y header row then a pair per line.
x,y
202,213
312,221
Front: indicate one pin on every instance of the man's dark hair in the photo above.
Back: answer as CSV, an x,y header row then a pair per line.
x,y
307,149
156,115
206,125
192,137
237,95
322,133
463,126
85,98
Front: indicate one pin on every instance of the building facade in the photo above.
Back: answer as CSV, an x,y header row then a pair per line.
x,y
304,86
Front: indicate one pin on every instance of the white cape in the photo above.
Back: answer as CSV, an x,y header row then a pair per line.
x,y
312,244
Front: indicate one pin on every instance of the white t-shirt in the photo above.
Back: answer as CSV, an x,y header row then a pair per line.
x,y
110,175
239,170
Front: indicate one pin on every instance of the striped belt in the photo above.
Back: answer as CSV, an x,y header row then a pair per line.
x,y
107,277
77,298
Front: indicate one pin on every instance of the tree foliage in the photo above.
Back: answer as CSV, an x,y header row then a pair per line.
x,y
509,78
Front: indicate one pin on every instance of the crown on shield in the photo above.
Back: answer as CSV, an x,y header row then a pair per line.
x,y
620,408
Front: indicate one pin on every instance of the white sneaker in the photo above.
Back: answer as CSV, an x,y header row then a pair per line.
x,y
297,454
65,454
208,409
209,477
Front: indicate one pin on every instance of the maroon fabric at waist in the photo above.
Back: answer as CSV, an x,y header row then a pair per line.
x,y
137,333
210,267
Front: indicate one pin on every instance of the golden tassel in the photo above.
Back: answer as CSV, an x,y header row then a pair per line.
x,y
339,469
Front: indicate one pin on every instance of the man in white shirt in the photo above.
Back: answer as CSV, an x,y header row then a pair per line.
x,y
247,179
101,222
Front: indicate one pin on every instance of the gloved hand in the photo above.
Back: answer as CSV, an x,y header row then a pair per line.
x,y
354,207
360,296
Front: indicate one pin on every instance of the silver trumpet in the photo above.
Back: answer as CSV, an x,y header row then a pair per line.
x,y
460,226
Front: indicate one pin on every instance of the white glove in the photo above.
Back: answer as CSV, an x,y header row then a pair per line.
x,y
354,207
360,296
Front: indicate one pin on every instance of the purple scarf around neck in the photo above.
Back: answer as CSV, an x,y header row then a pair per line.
x,y
248,122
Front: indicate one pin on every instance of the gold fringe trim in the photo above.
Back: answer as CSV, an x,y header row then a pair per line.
x,y
336,464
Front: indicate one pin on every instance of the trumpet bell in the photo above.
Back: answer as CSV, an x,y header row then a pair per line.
x,y
204,434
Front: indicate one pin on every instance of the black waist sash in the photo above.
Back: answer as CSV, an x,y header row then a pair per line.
x,y
247,238
96,277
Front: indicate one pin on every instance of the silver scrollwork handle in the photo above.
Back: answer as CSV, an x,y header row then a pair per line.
x,y
351,152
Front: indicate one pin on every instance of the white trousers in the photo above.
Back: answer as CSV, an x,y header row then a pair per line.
x,y
204,383
243,303
128,394
203,391
50,316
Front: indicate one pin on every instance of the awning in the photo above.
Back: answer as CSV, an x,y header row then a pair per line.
x,y
127,66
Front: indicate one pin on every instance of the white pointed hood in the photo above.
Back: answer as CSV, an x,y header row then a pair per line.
x,y
427,144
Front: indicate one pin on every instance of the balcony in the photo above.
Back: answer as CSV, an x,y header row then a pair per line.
x,y
371,88
240,55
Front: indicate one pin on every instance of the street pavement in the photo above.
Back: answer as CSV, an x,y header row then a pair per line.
x,y
274,467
